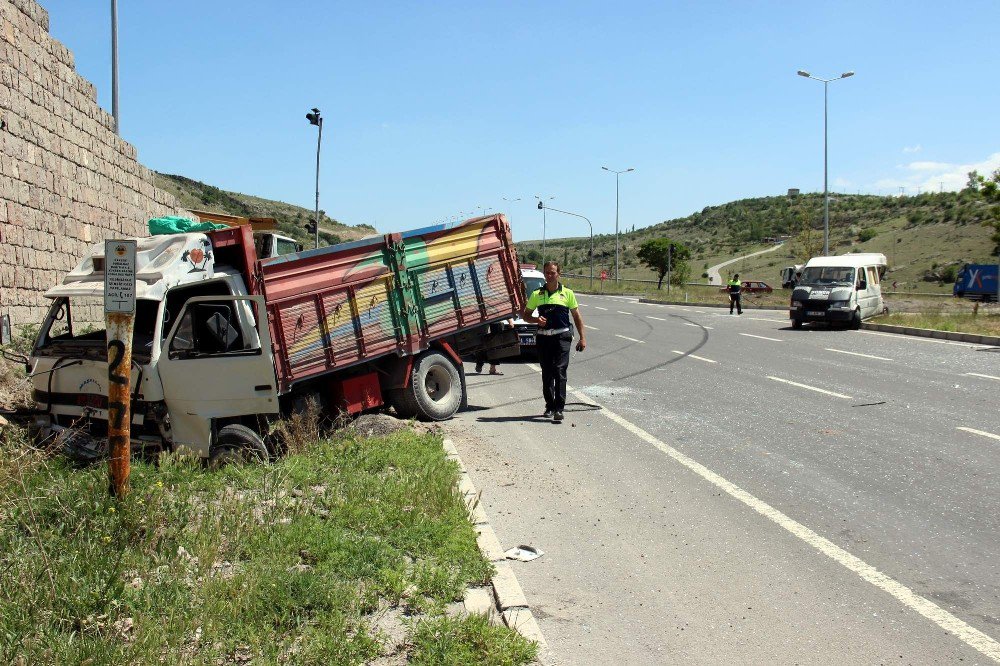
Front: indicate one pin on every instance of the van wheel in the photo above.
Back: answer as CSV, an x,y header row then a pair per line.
x,y
856,320
237,444
796,323
434,392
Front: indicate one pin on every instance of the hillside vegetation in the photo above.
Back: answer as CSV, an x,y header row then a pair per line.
x,y
925,238
292,220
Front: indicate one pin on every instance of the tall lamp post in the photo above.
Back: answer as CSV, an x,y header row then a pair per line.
x,y
114,64
542,207
826,192
617,174
316,119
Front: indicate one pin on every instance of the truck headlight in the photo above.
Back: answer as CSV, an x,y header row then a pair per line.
x,y
840,305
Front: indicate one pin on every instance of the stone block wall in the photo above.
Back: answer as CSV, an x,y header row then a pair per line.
x,y
66,179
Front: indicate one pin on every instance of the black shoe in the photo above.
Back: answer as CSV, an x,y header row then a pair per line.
x,y
558,416
548,413
479,368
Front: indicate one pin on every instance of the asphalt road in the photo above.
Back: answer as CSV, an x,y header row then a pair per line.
x,y
727,489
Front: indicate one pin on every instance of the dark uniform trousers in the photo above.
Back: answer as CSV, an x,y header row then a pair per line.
x,y
553,356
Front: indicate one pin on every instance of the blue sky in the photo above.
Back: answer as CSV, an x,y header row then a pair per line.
x,y
434,109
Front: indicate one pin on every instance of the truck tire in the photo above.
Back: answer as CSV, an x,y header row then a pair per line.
x,y
434,392
856,320
796,323
237,444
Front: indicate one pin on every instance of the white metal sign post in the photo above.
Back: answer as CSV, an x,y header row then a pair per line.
x,y
119,316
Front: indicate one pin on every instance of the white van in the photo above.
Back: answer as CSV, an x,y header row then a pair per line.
x,y
533,279
843,289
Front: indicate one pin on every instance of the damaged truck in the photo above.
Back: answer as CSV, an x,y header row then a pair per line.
x,y
225,342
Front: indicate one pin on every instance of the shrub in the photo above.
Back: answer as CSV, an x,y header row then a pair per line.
x,y
867,235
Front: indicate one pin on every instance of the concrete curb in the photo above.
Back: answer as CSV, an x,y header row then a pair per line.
x,y
974,338
504,595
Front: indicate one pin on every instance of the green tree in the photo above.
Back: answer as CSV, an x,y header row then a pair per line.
x,y
990,189
662,255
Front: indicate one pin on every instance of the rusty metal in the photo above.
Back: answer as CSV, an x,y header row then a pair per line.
x,y
119,326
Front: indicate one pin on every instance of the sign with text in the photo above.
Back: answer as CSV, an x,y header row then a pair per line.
x,y
604,275
119,275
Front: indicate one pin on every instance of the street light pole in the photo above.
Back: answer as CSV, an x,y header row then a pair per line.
x,y
543,207
315,118
114,63
826,192
617,174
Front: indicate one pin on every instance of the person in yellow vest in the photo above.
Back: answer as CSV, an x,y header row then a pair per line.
x,y
735,287
555,304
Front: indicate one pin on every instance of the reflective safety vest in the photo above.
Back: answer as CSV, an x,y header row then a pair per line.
x,y
734,286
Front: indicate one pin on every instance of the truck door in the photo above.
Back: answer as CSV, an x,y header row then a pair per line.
x,y
212,367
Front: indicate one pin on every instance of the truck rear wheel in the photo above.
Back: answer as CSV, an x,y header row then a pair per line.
x,y
796,323
434,392
237,444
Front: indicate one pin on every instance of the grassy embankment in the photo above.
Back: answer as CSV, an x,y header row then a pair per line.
x,y
343,551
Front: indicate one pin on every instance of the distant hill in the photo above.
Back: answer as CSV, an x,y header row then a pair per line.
x,y
291,219
924,237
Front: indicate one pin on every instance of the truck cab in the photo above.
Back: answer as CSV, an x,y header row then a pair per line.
x,y
199,350
844,289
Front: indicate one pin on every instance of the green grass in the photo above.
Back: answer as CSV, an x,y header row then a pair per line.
x,y
289,562
984,323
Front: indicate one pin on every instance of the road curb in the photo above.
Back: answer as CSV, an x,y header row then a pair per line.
x,y
504,597
974,338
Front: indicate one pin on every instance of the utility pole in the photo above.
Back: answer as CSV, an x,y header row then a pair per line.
x,y
114,63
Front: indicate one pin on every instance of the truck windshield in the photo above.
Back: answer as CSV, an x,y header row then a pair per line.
x,y
77,328
828,275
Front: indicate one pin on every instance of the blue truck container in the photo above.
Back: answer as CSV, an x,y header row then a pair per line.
x,y
977,282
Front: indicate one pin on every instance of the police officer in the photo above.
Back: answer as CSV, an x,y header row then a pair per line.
x,y
555,304
734,294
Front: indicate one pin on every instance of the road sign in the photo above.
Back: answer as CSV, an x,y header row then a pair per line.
x,y
604,275
119,276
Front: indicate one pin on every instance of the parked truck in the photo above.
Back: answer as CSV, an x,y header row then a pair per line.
x,y
844,289
225,342
977,282
790,275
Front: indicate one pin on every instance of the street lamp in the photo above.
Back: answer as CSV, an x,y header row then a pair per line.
x,y
617,174
314,118
826,194
114,64
542,207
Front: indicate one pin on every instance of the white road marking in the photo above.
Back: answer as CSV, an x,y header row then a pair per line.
x,y
687,323
750,335
620,312
642,342
976,374
593,328
980,432
916,338
842,351
700,311
777,321
598,307
811,388
656,318
700,358
939,616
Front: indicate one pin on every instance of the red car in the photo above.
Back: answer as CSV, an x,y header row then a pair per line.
x,y
753,287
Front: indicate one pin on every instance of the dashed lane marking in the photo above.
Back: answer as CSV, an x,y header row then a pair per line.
x,y
700,358
687,323
980,432
656,318
621,312
877,358
598,307
593,328
969,635
811,388
625,337
750,335
976,374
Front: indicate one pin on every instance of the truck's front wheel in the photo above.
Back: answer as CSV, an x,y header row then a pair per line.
x,y
434,392
237,444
